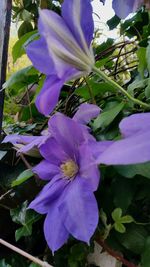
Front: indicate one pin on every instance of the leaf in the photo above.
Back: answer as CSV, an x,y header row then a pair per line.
x,y
4,264
106,117
119,227
113,22
130,171
127,219
25,27
145,257
141,54
148,57
19,47
134,238
97,89
24,217
23,231
24,176
22,78
116,214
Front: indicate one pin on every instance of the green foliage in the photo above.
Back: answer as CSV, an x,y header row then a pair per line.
x,y
123,195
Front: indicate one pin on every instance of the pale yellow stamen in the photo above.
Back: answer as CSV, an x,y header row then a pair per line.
x,y
69,169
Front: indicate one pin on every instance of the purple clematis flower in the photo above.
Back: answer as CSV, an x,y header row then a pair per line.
x,y
30,145
134,147
27,144
63,51
123,8
67,200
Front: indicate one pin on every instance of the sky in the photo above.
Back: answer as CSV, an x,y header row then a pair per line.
x,y
104,13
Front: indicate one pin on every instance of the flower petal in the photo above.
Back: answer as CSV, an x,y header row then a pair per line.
x,y
131,150
74,13
68,133
61,44
99,147
123,8
79,211
86,112
50,193
88,168
45,170
53,152
55,232
38,53
134,124
48,97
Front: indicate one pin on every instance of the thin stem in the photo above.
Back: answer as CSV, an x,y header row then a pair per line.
x,y
90,91
25,254
115,254
119,88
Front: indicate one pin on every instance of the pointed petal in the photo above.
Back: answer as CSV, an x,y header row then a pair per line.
x,y
88,168
134,124
79,211
53,152
78,16
132,150
123,8
86,112
55,232
68,133
50,193
45,170
38,53
48,97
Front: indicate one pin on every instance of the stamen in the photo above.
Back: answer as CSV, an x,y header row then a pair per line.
x,y
69,169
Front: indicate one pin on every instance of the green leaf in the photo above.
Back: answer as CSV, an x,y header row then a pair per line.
x,y
145,257
25,27
148,57
119,227
127,219
23,231
106,117
4,264
26,218
97,89
113,22
116,214
142,66
134,238
19,49
24,176
22,78
130,171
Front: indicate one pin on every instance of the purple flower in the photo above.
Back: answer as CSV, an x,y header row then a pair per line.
x,y
27,144
123,8
63,51
67,200
134,147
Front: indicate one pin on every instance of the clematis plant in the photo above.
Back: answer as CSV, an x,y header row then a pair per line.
x,y
123,8
63,51
67,200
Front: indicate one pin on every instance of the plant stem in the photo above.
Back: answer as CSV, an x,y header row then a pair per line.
x,y
115,254
25,254
119,88
90,91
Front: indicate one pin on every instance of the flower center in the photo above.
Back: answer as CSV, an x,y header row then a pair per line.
x,y
69,168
